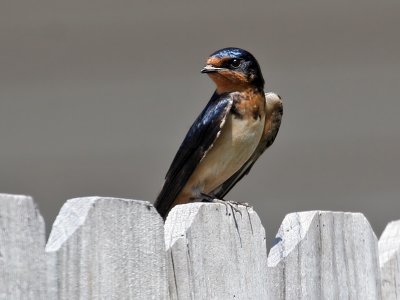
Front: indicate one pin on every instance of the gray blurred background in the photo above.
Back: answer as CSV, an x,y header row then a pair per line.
x,y
96,97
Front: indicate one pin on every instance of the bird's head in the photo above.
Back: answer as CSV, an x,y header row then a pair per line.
x,y
234,69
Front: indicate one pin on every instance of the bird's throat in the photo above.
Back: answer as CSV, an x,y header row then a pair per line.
x,y
228,85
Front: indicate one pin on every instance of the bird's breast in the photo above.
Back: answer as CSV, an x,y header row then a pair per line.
x,y
237,141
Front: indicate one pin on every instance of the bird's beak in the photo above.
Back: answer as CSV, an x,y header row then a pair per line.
x,y
210,69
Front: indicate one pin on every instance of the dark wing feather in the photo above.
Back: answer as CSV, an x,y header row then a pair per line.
x,y
274,110
198,140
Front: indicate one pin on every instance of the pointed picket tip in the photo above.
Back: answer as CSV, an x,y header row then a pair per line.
x,y
389,256
22,241
324,255
215,252
103,248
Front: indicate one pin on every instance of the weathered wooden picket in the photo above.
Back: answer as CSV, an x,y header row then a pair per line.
x,y
109,248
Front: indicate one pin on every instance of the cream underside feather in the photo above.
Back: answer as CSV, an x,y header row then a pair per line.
x,y
233,147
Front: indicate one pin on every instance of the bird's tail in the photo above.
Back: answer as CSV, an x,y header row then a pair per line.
x,y
161,207
166,199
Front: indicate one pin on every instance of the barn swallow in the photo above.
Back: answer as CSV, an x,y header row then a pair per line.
x,y
233,130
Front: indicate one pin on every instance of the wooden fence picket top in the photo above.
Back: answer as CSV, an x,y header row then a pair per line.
x,y
211,256
324,255
389,258
22,241
107,248
110,248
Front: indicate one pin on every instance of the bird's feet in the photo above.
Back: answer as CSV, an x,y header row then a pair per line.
x,y
245,204
232,204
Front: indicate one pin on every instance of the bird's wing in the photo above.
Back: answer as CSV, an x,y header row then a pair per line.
x,y
197,142
274,110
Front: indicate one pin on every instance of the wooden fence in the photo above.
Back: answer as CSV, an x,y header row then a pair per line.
x,y
109,248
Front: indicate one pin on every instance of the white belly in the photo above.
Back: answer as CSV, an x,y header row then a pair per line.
x,y
234,146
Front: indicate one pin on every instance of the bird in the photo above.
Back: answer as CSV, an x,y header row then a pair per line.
x,y
236,126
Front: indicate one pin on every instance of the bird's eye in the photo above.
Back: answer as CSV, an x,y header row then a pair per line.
x,y
235,63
